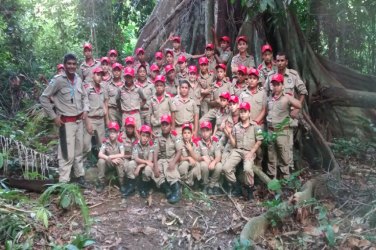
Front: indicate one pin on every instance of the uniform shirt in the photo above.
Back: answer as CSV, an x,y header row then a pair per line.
x,y
85,70
195,92
248,61
236,88
225,142
108,148
212,64
181,53
265,70
246,138
113,94
292,83
206,82
158,108
185,152
257,99
278,110
218,115
211,148
172,87
168,146
96,99
106,81
144,152
148,90
185,110
225,55
131,98
128,143
218,88
182,75
69,99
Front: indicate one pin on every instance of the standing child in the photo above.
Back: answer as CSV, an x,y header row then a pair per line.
x,y
219,86
205,80
140,59
242,58
113,88
172,82
223,48
182,68
209,53
148,91
194,90
107,74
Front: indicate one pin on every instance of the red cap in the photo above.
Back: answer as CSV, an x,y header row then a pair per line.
x,y
166,118
105,59
176,39
192,69
209,46
88,46
113,125
253,71
182,59
117,65
112,52
129,59
242,69
145,129
188,126
128,71
234,98
245,105
158,54
139,50
225,95
221,65
266,47
203,60
206,124
160,78
168,68
277,78
97,70
154,67
225,38
130,121
60,66
169,51
241,38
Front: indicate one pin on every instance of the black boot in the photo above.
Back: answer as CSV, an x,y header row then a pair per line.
x,y
235,189
121,185
166,189
143,188
217,191
176,193
248,195
81,182
100,186
130,188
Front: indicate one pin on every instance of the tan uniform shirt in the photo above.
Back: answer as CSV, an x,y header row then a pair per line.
x,y
183,75
195,92
69,99
212,148
113,94
292,83
131,98
248,61
278,110
246,138
212,64
85,70
148,90
206,82
108,148
106,81
258,100
128,143
144,152
185,152
172,88
96,98
236,88
225,55
159,108
218,88
185,110
264,70
181,53
167,147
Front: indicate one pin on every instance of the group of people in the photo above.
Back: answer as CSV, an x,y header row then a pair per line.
x,y
173,122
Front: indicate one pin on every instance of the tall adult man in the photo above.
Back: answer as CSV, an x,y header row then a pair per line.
x,y
71,107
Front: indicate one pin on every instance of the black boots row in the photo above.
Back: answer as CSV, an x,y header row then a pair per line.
x,y
129,188
172,192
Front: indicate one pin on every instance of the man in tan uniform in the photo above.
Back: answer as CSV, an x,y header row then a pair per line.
x,y
71,105
131,98
113,91
89,64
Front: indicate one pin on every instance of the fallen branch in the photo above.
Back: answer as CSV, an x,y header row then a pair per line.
x,y
236,205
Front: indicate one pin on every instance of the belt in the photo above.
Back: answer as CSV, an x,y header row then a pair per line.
x,y
131,112
66,119
278,129
96,117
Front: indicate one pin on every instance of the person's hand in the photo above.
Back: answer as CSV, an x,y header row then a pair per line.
x,y
188,146
116,161
136,172
294,113
150,164
156,170
84,115
212,165
191,161
89,128
250,156
228,129
206,159
58,122
171,166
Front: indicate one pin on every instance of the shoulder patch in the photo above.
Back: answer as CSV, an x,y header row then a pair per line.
x,y
151,142
259,131
214,138
120,137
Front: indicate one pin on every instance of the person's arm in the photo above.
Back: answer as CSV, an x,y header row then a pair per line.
x,y
166,41
195,122
197,56
261,115
294,102
253,151
215,38
45,98
102,155
172,164
231,137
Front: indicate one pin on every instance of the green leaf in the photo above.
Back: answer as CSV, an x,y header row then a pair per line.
x,y
65,201
330,236
88,243
71,247
274,185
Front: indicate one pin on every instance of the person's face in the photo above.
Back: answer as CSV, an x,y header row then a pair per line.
x,y
159,61
223,102
277,87
175,45
204,68
171,75
153,74
224,45
141,56
192,76
113,58
129,64
170,59
105,67
267,56
182,65
209,53
128,79
60,71
129,130
241,77
116,72
70,66
159,88
220,73
97,78
166,128
88,53
242,46
252,81
233,106
206,133
187,135
113,134
184,89
145,138
141,73
244,114
281,62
